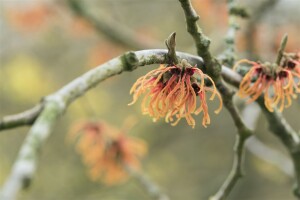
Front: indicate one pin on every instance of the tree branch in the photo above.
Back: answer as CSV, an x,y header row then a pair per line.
x,y
54,105
21,119
214,69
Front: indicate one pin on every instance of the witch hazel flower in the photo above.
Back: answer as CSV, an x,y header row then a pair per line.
x,y
171,92
107,151
278,84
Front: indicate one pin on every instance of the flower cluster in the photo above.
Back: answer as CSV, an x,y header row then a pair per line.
x,y
107,151
172,92
279,83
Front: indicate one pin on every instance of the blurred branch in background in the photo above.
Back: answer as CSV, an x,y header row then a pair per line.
x,y
234,11
116,32
250,115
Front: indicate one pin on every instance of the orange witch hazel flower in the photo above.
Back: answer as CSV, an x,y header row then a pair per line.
x,y
107,151
171,92
279,83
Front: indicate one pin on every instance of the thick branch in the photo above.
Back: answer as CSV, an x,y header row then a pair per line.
x,y
21,119
55,104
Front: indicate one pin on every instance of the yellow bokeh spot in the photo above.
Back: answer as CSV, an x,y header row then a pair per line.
x,y
25,79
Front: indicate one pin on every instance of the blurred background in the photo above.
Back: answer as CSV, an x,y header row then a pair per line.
x,y
44,44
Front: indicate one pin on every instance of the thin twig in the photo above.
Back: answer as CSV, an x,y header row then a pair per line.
x,y
21,119
54,105
152,189
214,68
